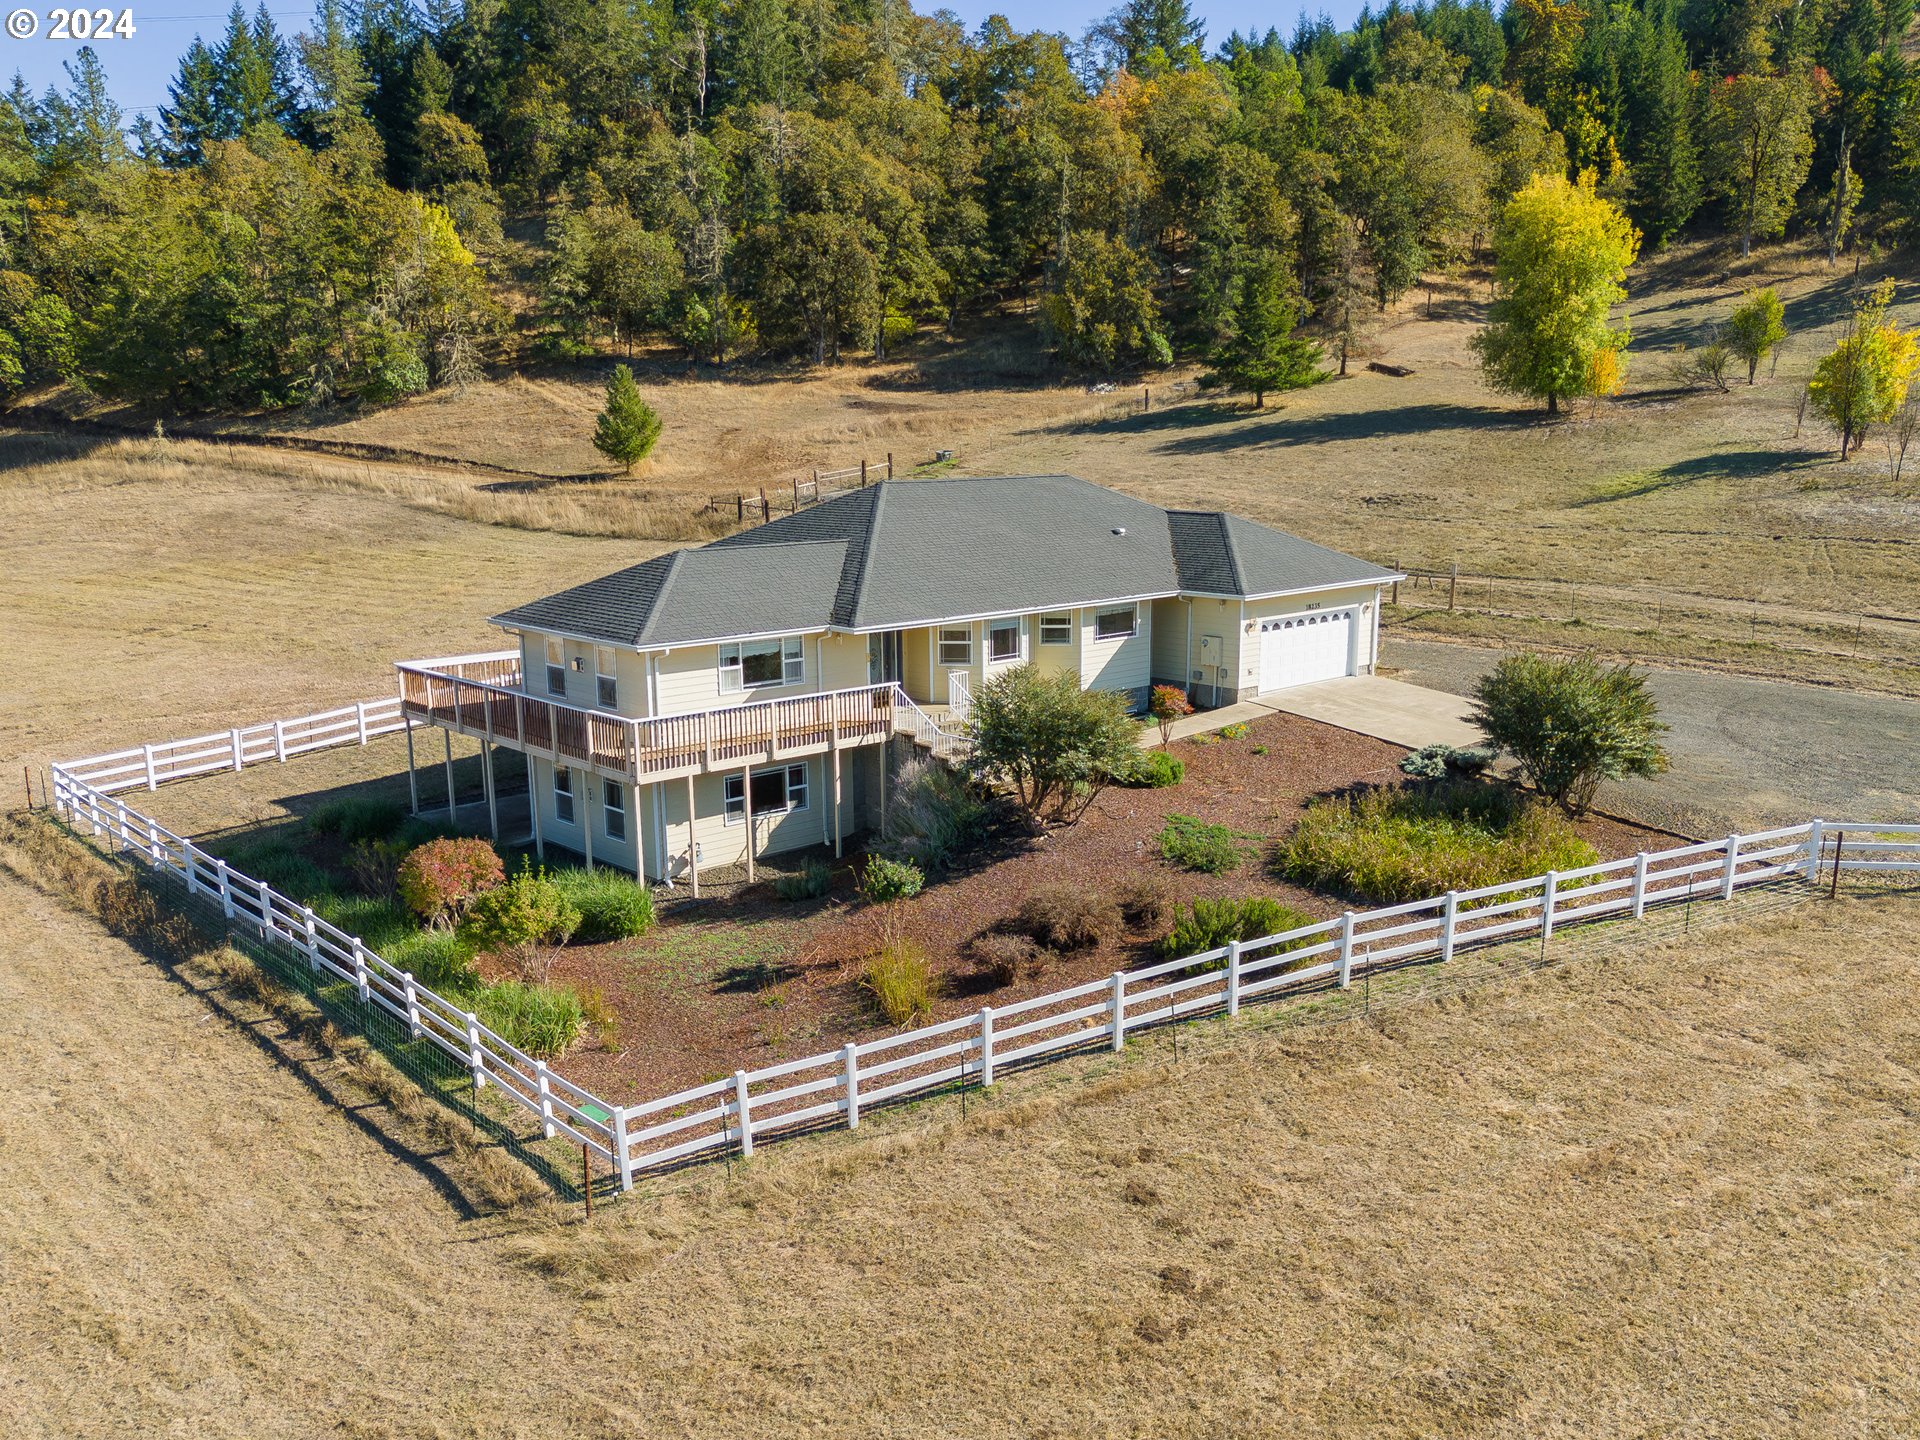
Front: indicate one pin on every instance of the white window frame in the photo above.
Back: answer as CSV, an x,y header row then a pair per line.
x,y
956,635
1056,629
613,800
997,628
792,650
1132,612
606,681
563,810
733,795
556,667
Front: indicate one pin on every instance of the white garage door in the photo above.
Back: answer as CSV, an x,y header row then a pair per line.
x,y
1299,649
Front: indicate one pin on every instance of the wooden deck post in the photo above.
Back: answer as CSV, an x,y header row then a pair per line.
x,y
639,834
746,800
889,464
693,840
413,778
493,804
585,815
533,813
451,814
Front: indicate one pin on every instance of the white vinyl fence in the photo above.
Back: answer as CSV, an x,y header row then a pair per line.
x,y
835,1087
272,740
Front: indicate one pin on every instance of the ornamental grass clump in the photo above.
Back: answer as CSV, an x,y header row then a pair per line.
x,y
441,878
545,1021
1387,845
899,981
934,815
810,882
1066,917
1193,844
1211,924
356,817
612,905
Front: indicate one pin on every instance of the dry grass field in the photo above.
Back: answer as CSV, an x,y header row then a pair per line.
x,y
1669,1192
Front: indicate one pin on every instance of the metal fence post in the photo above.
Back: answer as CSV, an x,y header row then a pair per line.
x,y
1119,1006
986,1045
1640,885
850,1079
1733,859
742,1110
1346,950
1233,977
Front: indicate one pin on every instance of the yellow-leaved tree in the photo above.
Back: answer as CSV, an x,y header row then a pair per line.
x,y
1864,381
1560,253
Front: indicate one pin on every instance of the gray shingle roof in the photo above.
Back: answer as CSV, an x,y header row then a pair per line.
x,y
905,553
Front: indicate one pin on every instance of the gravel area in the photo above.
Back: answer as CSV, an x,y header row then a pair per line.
x,y
1746,752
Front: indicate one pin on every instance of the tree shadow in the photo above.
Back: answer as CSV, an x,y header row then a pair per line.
x,y
1729,465
1282,431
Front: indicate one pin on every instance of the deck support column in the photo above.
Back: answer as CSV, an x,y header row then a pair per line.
x,y
493,801
584,813
413,779
693,841
533,812
746,799
451,818
839,829
639,833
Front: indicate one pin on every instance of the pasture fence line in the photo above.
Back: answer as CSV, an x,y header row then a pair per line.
x,y
733,1114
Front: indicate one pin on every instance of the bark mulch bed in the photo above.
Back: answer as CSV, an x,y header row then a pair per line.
x,y
753,980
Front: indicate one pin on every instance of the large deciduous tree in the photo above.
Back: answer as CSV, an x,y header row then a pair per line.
x,y
1759,132
1560,253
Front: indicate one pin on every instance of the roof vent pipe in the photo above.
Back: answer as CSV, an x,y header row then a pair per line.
x,y
1119,529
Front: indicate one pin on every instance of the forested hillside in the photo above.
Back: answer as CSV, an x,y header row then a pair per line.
x,y
373,206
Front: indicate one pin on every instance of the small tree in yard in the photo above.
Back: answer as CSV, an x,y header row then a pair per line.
x,y
1167,704
1756,326
523,919
1864,381
1260,351
1052,744
439,879
1571,723
628,426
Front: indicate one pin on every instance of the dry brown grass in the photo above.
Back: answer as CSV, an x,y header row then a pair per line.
x,y
1672,1193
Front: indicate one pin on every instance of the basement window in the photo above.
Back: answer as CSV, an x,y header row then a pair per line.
x,y
775,792
752,664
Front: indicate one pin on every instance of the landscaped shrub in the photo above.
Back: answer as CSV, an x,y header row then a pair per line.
x,y
1066,917
357,817
1146,901
441,878
1151,770
612,905
1053,745
898,980
1003,958
1238,730
1209,924
441,960
1571,723
1166,704
934,813
375,866
1387,845
810,882
1194,844
523,919
542,1020
1437,762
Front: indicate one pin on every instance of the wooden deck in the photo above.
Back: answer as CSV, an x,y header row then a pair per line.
x,y
480,696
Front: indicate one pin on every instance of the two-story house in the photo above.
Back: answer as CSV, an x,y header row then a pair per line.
x,y
718,703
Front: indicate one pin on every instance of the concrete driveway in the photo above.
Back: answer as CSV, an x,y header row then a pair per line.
x,y
1746,752
1391,710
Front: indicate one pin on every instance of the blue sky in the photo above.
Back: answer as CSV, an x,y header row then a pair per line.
x,y
141,68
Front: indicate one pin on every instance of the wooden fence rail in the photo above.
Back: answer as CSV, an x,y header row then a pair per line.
x,y
735,1113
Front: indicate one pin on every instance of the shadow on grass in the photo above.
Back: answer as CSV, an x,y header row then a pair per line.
x,y
1348,425
1731,465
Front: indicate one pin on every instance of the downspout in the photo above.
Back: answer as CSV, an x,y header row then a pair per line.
x,y
1186,672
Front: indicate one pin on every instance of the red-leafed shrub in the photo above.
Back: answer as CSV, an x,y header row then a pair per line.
x,y
1166,704
441,878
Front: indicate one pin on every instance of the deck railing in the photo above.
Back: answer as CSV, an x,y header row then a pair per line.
x,y
478,695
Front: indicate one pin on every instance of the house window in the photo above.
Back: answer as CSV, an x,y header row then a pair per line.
x,y
563,794
606,686
1056,629
756,663
1003,640
1114,624
556,668
956,646
775,792
615,797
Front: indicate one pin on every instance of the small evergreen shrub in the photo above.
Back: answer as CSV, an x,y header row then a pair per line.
x,y
523,919
1003,958
1193,844
440,879
543,1020
1066,917
1210,924
885,881
357,817
612,905
1388,845
1151,770
899,982
1437,762
1146,901
810,882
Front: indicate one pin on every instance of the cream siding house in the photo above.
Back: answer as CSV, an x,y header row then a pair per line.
x,y
729,701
